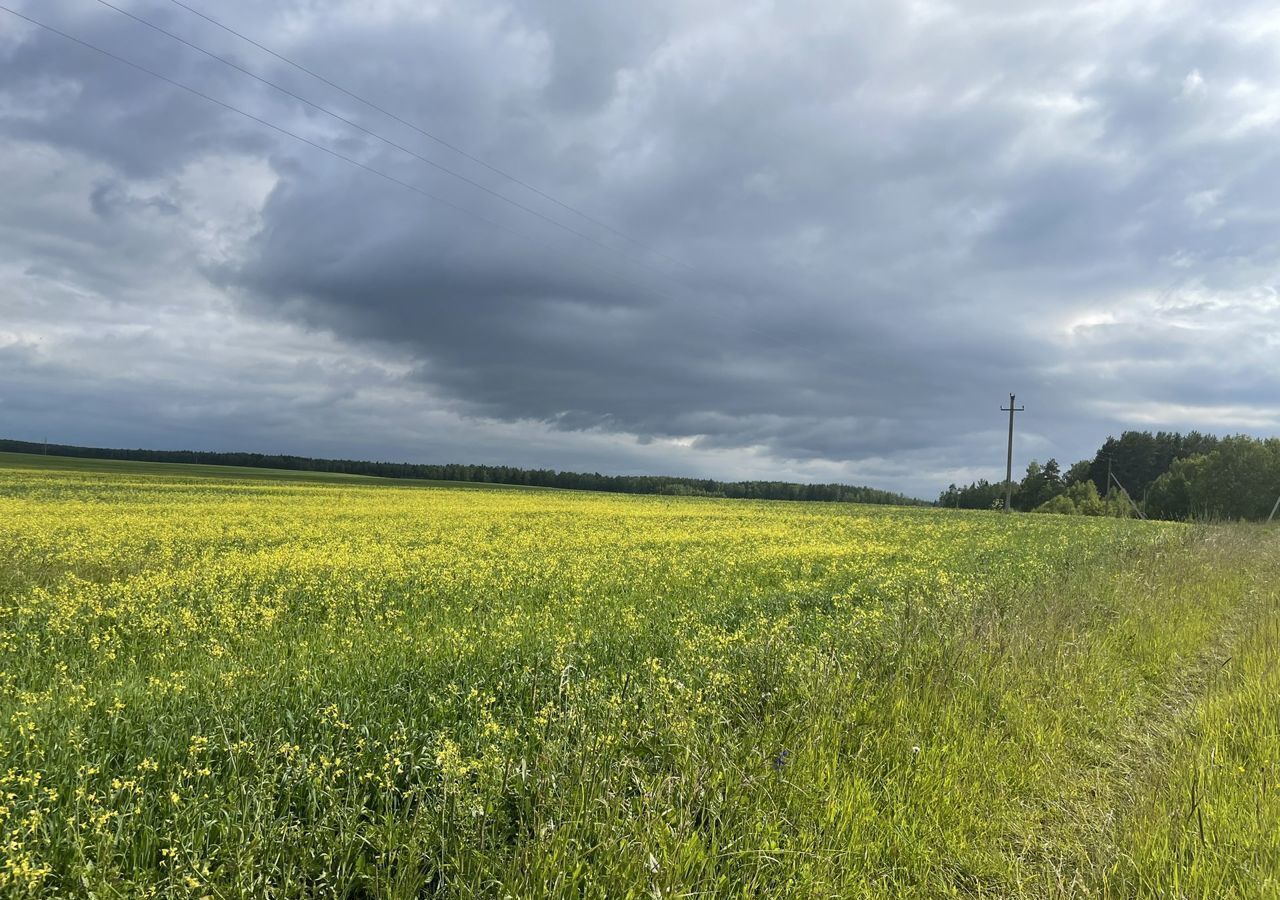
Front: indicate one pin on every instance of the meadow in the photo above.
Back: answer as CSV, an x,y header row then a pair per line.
x,y
238,685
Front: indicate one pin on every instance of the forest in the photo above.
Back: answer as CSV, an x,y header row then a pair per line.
x,y
482,474
1163,475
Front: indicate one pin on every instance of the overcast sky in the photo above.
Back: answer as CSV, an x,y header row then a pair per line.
x,y
838,233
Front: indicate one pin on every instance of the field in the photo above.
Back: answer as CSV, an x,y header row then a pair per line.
x,y
229,685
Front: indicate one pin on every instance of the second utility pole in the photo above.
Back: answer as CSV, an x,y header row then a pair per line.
x,y
1008,469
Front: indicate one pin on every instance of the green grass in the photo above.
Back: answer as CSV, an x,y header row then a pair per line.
x,y
259,688
1205,821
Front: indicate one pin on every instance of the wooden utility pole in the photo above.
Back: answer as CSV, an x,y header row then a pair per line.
x,y
1008,468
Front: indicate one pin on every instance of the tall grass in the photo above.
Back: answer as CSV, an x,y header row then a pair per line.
x,y
1205,816
241,689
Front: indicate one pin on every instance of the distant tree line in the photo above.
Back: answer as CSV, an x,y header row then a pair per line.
x,y
589,481
1166,475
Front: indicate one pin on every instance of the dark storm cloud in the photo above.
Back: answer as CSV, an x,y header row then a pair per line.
x,y
89,103
857,227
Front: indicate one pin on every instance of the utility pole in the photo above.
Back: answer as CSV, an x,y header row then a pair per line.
x,y
1141,514
1008,469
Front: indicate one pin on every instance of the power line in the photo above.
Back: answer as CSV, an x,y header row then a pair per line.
x,y
339,117
427,134
278,128
311,143
327,150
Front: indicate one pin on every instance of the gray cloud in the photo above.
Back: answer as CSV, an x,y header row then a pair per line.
x,y
862,225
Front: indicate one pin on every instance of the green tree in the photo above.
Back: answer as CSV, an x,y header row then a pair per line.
x,y
1240,479
1053,474
1079,471
1138,458
1040,484
980,494
1084,496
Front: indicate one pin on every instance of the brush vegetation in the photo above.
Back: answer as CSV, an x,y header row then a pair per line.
x,y
242,687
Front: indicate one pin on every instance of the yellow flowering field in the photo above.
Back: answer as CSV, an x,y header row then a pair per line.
x,y
244,687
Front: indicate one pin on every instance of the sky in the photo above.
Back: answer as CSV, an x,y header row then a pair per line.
x,y
810,241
